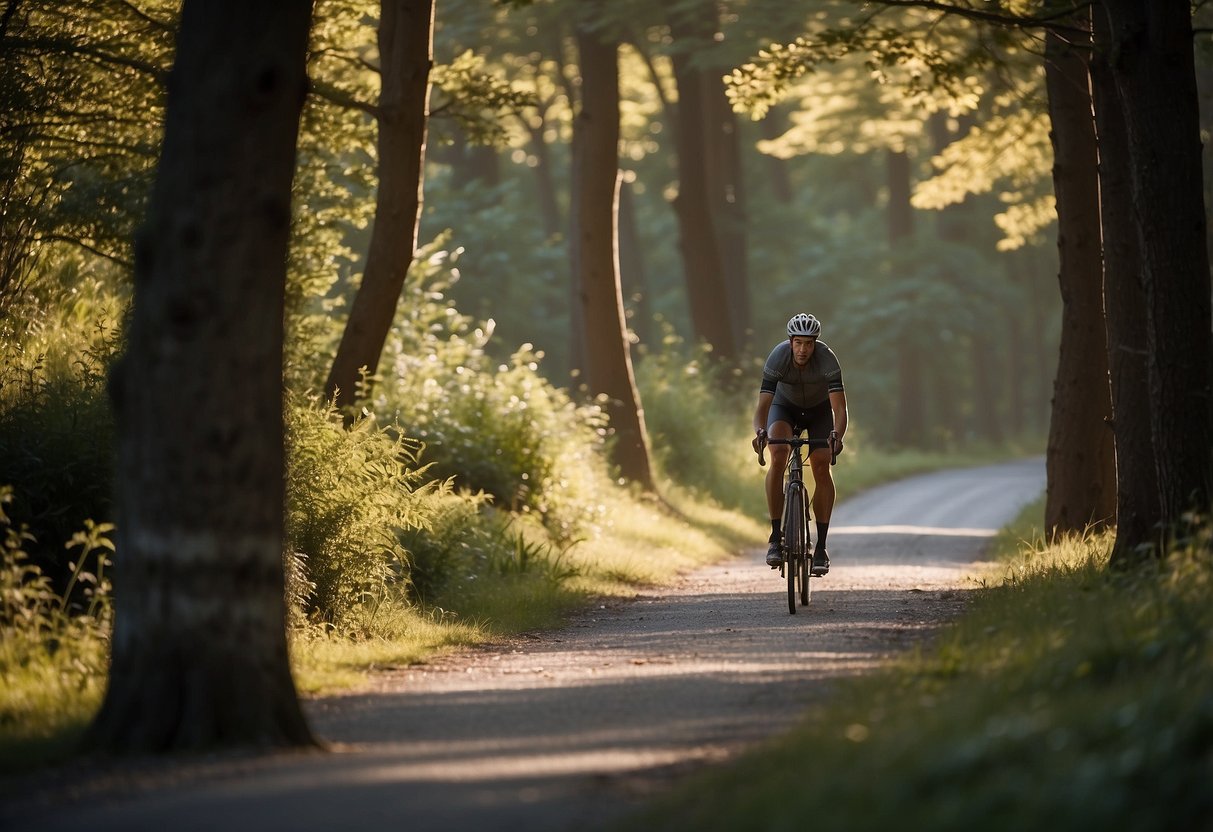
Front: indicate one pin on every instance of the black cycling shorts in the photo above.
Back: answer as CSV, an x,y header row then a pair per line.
x,y
816,421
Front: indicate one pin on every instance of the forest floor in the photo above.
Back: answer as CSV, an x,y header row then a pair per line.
x,y
575,727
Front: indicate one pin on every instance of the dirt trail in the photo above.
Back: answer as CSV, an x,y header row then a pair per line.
x,y
572,728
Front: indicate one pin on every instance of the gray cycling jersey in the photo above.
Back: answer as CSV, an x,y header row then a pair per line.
x,y
801,387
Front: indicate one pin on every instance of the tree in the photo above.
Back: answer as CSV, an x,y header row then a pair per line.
x,y
594,236
699,239
405,56
1081,455
1138,506
199,653
1150,63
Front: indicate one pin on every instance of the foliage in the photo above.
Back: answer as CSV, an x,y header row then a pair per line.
x,y
53,645
698,419
81,90
56,428
498,428
1068,697
477,99
351,494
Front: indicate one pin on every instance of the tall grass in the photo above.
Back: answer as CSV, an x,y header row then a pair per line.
x,y
54,644
56,429
1069,697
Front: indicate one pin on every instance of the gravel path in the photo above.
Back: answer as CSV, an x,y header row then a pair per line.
x,y
571,729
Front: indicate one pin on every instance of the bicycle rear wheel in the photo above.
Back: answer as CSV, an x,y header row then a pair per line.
x,y
794,541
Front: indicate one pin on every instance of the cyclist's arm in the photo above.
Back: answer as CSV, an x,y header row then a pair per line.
x,y
762,411
838,404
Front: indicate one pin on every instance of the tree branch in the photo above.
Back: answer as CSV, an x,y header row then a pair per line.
x,y
341,98
1048,21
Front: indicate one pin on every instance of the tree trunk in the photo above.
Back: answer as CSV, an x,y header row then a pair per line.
x,y
777,169
1138,507
1152,68
405,55
545,187
199,653
697,234
726,185
608,363
910,427
632,277
1081,465
949,227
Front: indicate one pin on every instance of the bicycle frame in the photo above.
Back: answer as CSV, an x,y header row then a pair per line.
x,y
796,549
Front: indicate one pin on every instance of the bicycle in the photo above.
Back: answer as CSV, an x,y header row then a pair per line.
x,y
797,548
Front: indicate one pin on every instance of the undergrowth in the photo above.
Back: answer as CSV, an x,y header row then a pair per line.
x,y
54,644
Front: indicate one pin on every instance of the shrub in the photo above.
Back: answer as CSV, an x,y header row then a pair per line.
x,y
498,428
56,428
698,416
350,493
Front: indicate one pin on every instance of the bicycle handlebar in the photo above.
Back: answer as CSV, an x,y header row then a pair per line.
x,y
795,442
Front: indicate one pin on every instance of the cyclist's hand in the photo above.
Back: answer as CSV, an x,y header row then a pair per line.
x,y
835,443
760,441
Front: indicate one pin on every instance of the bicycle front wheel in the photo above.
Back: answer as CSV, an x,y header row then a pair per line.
x,y
794,541
804,578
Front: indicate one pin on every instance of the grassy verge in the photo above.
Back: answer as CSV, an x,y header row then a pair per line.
x,y
1068,697
638,542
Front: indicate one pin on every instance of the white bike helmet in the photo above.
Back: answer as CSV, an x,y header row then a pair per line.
x,y
804,325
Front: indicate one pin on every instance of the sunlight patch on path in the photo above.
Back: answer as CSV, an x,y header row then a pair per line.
x,y
934,531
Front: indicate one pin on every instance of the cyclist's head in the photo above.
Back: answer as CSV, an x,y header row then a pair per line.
x,y
803,325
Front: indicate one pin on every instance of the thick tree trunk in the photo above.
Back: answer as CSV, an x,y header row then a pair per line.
x,y
608,362
1152,68
405,55
1080,461
697,235
1138,506
199,653
910,427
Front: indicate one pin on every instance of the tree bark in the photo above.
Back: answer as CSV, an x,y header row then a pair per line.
x,y
1080,461
1151,65
199,653
777,169
608,363
632,278
1138,507
697,233
726,185
405,56
545,187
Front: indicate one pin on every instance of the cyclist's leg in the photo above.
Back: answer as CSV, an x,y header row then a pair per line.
x,y
823,484
821,423
777,428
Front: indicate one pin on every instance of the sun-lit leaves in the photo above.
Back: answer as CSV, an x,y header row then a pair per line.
x,y
479,99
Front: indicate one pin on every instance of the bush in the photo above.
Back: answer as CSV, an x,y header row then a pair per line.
x,y
698,416
56,428
498,428
350,494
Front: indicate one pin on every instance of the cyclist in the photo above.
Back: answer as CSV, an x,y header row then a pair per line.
x,y
801,391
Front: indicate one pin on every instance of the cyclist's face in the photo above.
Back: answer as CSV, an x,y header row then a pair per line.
x,y
802,349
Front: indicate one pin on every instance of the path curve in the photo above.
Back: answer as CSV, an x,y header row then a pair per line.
x,y
570,729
